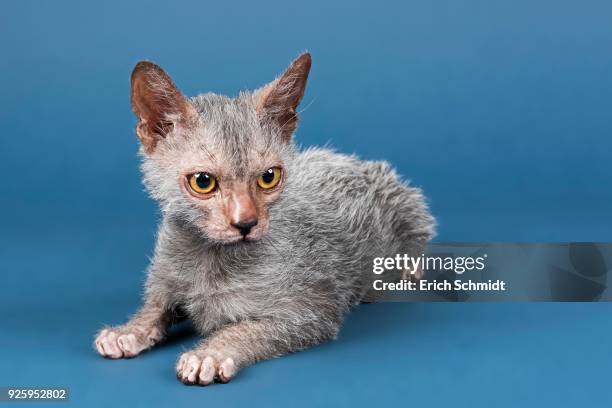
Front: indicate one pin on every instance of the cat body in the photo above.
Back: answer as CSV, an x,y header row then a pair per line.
x,y
263,265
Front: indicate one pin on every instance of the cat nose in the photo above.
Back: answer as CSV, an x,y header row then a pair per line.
x,y
245,226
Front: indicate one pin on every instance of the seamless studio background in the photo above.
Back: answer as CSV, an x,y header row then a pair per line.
x,y
499,110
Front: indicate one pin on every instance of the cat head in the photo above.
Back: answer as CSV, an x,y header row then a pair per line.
x,y
214,163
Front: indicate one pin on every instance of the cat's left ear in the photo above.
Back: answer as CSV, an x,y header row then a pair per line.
x,y
158,104
279,99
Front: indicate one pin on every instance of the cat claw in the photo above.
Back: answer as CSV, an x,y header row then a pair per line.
x,y
199,368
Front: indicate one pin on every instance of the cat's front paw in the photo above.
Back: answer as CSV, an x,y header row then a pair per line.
x,y
125,342
200,367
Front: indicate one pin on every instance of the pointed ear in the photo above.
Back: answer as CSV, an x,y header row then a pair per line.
x,y
158,104
279,99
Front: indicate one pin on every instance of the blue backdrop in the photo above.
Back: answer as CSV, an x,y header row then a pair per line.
x,y
500,110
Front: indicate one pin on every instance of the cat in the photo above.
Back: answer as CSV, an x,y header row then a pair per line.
x,y
263,246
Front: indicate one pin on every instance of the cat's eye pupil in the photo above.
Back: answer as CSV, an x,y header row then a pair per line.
x,y
268,176
203,180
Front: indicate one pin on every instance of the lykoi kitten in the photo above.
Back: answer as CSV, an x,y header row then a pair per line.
x,y
264,247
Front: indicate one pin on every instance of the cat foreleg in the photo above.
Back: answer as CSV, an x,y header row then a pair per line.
x,y
238,345
145,329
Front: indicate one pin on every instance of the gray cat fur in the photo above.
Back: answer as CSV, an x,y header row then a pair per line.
x,y
292,288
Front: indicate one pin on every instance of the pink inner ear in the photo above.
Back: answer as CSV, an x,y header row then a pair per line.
x,y
280,99
157,103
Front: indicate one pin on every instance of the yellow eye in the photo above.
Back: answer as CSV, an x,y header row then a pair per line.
x,y
202,183
270,178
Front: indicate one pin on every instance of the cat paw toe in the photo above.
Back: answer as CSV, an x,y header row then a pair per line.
x,y
199,368
123,343
106,344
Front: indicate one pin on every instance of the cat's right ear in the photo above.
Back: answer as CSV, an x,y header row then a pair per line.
x,y
158,104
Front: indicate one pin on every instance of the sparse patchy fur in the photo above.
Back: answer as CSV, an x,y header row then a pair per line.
x,y
287,290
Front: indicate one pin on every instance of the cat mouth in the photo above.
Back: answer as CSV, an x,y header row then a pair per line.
x,y
239,239
230,237
248,238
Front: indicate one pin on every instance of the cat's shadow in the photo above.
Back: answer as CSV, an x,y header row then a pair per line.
x,y
180,333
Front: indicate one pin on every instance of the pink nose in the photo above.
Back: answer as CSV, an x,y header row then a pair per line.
x,y
242,212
